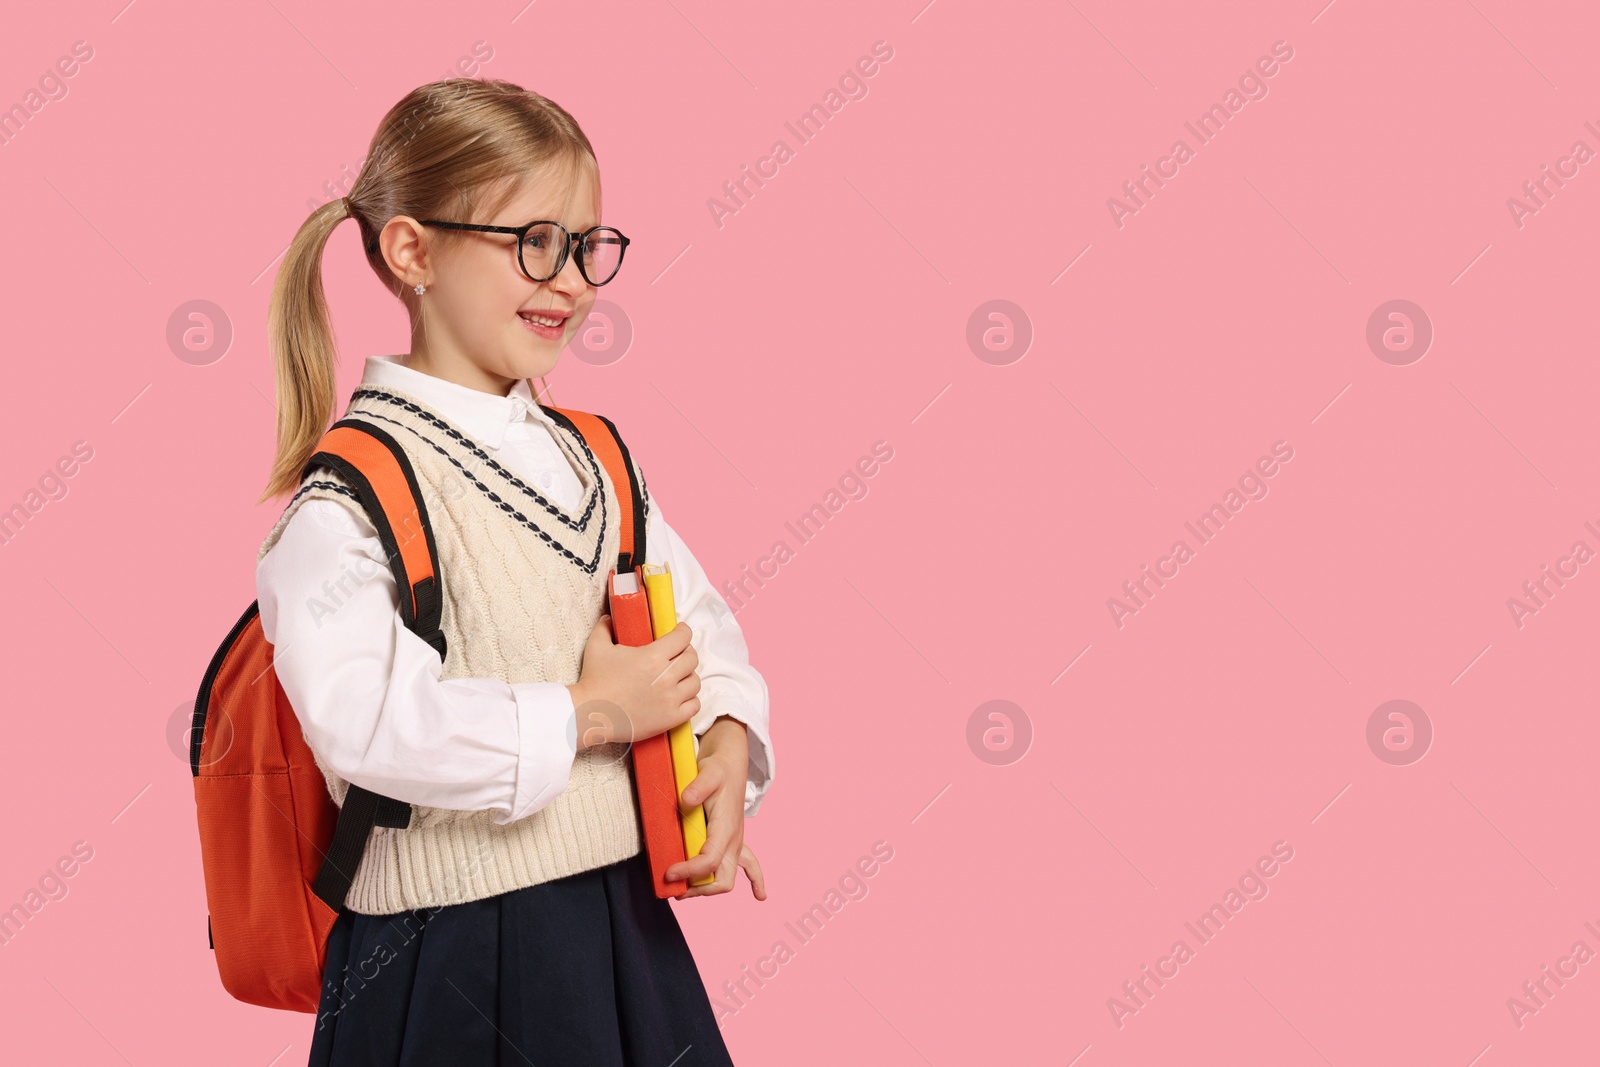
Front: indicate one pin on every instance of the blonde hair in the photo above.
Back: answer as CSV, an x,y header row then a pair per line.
x,y
458,149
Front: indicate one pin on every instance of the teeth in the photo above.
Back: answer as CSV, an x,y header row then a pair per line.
x,y
541,320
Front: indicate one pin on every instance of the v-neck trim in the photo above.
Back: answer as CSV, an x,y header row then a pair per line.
x,y
591,481
585,478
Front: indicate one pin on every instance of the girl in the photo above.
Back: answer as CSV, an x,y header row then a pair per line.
x,y
513,920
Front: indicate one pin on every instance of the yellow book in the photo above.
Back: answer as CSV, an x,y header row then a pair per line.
x,y
663,617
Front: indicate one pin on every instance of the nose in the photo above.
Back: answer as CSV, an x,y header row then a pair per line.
x,y
569,279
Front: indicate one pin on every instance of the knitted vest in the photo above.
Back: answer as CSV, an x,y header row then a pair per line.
x,y
523,584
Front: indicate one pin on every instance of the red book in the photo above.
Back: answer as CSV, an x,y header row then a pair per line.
x,y
655,786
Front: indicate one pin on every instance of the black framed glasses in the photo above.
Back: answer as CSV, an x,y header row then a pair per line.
x,y
543,247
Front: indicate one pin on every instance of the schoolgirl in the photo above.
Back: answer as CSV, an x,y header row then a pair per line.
x,y
513,921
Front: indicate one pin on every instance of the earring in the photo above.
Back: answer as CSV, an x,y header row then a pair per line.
x,y
419,289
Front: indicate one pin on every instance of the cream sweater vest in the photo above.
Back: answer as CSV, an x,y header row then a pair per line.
x,y
524,583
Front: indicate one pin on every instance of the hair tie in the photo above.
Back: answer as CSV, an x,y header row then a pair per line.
x,y
349,208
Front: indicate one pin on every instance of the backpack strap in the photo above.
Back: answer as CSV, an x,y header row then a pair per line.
x,y
600,433
379,471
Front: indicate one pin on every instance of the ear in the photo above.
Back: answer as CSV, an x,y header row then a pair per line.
x,y
403,242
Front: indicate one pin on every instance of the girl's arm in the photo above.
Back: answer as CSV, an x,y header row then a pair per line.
x,y
367,690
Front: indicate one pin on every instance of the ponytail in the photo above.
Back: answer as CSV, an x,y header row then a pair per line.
x,y
301,339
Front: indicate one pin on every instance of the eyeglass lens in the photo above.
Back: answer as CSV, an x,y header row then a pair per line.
x,y
601,253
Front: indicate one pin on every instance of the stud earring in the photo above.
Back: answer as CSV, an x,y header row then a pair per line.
x,y
419,289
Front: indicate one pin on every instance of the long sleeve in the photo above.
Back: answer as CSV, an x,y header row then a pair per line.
x,y
729,685
368,694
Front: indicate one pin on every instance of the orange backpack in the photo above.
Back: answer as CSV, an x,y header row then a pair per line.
x,y
278,854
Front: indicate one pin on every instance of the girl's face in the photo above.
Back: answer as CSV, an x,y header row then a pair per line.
x,y
472,328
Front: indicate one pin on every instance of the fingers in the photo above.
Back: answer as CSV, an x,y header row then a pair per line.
x,y
752,870
679,668
721,830
676,644
723,880
708,862
675,640
727,874
684,665
684,693
707,781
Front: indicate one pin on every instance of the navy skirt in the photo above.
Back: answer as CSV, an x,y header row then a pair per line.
x,y
590,969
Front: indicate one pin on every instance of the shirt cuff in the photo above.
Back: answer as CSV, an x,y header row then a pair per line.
x,y
547,743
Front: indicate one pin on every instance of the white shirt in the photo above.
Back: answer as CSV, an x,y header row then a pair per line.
x,y
367,690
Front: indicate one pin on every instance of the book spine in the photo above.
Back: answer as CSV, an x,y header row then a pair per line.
x,y
655,785
680,739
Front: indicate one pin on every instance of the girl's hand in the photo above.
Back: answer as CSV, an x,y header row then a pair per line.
x,y
719,786
631,692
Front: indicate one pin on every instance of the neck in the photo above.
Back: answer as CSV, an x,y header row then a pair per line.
x,y
460,371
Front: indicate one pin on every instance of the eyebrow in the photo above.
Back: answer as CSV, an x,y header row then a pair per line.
x,y
547,218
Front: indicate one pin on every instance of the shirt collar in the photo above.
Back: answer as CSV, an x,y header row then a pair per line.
x,y
482,415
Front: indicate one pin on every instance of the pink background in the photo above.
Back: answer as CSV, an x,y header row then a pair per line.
x,y
769,354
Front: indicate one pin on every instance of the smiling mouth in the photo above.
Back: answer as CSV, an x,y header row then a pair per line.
x,y
545,324
547,318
